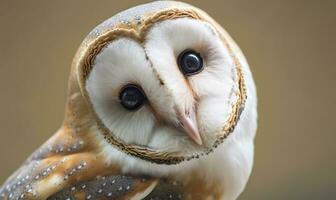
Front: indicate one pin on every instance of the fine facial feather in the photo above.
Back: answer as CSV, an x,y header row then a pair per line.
x,y
219,175
120,63
154,68
211,89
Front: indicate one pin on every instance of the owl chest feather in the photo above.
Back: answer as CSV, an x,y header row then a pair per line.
x,y
68,166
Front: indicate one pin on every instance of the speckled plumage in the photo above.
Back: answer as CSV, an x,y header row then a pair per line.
x,y
72,164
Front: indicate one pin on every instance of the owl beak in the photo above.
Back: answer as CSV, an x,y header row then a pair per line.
x,y
189,124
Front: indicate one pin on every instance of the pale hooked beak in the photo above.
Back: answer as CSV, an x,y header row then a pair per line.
x,y
189,124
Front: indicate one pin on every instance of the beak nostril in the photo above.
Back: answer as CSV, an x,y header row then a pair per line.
x,y
179,123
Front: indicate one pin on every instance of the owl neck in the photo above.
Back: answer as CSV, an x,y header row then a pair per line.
x,y
226,170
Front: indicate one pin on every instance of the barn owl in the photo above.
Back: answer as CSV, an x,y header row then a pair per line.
x,y
161,105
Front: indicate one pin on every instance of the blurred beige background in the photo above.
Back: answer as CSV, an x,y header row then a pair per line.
x,y
290,45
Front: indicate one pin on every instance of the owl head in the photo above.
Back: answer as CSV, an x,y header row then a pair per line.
x,y
160,81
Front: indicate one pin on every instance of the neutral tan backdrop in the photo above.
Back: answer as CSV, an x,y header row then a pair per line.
x,y
290,46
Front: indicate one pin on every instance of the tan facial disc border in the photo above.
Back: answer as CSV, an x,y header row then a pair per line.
x,y
138,32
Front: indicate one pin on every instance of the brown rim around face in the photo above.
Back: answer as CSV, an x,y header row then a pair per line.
x,y
138,33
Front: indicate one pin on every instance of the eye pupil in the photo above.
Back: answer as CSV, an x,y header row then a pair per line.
x,y
131,97
190,62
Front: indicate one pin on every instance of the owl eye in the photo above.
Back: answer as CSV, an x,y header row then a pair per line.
x,y
190,62
131,97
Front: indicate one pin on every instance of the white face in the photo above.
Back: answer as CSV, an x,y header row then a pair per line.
x,y
181,111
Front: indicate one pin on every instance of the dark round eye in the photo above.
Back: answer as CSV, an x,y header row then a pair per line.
x,y
131,97
190,62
